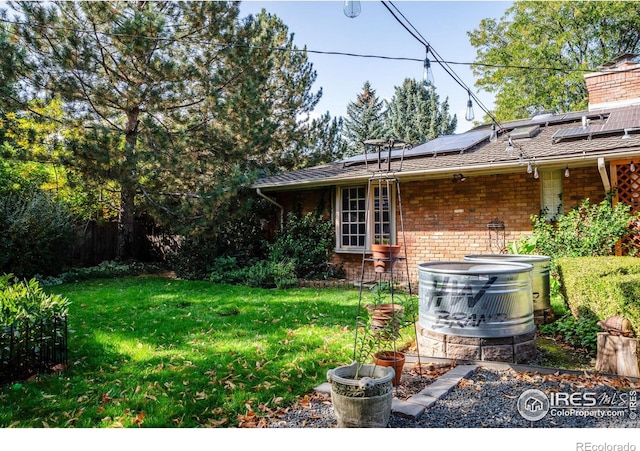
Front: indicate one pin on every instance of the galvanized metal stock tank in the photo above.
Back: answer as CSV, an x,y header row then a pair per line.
x,y
540,283
476,299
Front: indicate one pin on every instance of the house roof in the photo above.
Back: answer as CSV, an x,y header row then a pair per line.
x,y
547,140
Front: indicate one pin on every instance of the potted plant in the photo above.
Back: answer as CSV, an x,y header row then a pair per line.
x,y
387,320
383,253
362,392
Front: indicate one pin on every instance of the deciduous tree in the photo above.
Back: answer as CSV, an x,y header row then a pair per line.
x,y
534,58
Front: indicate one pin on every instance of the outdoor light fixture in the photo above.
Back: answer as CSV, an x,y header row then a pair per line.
x,y
458,178
469,114
632,167
509,148
351,9
535,172
566,171
427,73
529,168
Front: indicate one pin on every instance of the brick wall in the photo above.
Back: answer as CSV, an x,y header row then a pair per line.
x,y
446,221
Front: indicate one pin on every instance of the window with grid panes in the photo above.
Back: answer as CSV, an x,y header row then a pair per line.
x,y
352,229
552,193
353,211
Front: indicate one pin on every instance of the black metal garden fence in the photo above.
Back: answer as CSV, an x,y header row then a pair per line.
x,y
27,349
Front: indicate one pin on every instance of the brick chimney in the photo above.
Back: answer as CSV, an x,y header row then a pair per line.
x,y
616,85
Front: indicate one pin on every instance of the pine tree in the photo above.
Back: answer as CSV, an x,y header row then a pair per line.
x,y
415,114
365,120
175,104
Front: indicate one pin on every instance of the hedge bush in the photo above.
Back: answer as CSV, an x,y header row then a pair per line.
x,y
37,233
602,286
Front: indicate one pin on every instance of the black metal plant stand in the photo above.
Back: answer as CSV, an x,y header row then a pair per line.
x,y
381,186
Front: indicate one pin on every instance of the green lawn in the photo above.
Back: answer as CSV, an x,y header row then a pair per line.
x,y
156,352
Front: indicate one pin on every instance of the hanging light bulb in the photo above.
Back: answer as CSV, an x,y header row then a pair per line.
x,y
521,160
529,168
351,9
632,168
535,172
469,114
427,73
566,172
509,148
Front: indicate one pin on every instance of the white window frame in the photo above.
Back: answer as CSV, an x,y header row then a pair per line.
x,y
369,222
551,193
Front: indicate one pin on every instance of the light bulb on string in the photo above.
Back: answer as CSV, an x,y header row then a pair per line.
x,y
427,73
529,168
469,116
566,172
509,148
521,159
535,172
351,9
632,168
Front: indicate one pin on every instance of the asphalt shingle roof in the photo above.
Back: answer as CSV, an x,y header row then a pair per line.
x,y
542,149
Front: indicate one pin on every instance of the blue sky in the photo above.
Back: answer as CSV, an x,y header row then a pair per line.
x,y
322,26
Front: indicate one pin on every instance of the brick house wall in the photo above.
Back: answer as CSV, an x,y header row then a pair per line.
x,y
446,221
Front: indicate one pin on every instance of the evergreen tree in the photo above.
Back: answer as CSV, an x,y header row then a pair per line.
x,y
174,104
322,143
365,120
415,114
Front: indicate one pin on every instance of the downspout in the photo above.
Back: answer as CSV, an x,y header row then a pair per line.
x,y
271,201
603,175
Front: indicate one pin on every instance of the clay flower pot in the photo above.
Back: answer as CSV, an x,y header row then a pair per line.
x,y
386,319
384,256
392,359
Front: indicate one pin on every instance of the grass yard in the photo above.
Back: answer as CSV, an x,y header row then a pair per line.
x,y
157,352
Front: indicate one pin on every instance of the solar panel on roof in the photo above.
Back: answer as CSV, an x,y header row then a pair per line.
x,y
443,144
616,121
450,143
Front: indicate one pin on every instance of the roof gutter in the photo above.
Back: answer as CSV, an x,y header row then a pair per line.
x,y
273,202
603,175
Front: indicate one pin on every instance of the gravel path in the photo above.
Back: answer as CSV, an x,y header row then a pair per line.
x,y
488,399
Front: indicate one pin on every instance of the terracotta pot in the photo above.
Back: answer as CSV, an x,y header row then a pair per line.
x,y
393,359
384,256
386,318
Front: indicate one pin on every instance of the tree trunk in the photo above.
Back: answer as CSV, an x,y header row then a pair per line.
x,y
128,191
125,225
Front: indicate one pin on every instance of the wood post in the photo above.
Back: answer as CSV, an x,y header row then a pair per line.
x,y
617,355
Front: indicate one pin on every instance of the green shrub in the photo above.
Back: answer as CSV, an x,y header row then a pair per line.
x,y
602,287
26,302
37,233
105,270
307,242
579,332
588,230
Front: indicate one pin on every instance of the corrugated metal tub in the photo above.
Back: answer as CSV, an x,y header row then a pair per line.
x,y
540,283
476,299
